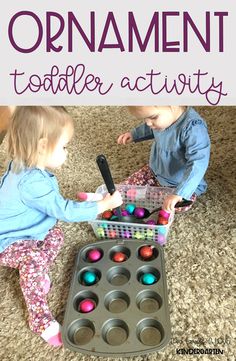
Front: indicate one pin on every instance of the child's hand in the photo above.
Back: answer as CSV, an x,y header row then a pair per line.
x,y
170,202
125,138
110,202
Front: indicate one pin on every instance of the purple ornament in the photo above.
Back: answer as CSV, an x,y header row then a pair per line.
x,y
139,212
161,239
126,234
151,222
123,212
164,214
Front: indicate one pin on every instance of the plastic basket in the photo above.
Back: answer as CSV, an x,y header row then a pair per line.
x,y
142,196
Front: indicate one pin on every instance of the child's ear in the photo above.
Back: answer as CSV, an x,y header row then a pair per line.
x,y
43,142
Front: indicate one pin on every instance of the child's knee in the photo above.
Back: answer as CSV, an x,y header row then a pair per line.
x,y
56,234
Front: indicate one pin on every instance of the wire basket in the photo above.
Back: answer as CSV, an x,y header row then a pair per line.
x,y
142,196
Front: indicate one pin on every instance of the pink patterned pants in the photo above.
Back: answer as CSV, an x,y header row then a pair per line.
x,y
33,259
146,176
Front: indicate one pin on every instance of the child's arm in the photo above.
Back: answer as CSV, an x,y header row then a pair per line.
x,y
39,193
141,133
138,134
197,154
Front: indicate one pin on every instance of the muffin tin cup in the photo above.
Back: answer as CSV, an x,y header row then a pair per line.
x,y
116,301
130,318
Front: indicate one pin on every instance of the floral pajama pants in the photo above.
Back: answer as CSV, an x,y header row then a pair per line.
x,y
146,176
33,259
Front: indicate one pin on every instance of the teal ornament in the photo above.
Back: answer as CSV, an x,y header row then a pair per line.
x,y
113,218
89,278
130,207
104,225
148,279
162,230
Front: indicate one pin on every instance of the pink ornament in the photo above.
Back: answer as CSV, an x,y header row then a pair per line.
x,y
161,239
94,255
164,214
87,305
112,234
131,193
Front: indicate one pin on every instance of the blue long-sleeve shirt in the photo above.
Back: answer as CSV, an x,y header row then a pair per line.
x,y
180,154
31,204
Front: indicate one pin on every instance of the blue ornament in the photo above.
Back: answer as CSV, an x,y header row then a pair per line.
x,y
130,207
114,218
89,278
148,279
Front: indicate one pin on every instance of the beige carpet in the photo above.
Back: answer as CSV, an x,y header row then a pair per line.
x,y
200,254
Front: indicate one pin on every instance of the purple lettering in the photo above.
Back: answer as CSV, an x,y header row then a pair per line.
x,y
133,29
73,80
168,46
51,38
111,20
154,83
40,31
221,29
73,21
189,21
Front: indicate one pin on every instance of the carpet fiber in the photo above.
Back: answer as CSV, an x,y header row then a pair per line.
x,y
199,255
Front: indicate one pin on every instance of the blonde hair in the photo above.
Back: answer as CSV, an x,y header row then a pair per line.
x,y
134,109
28,125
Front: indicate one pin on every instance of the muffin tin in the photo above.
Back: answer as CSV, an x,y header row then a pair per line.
x,y
110,310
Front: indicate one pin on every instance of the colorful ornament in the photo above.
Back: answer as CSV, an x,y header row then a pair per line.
x,y
139,212
94,255
104,225
161,239
100,232
107,215
89,278
126,234
149,233
151,222
119,257
164,214
146,252
130,207
112,233
131,193
138,235
87,305
162,221
148,279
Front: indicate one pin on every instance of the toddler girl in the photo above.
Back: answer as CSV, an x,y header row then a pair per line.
x,y
30,205
180,152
